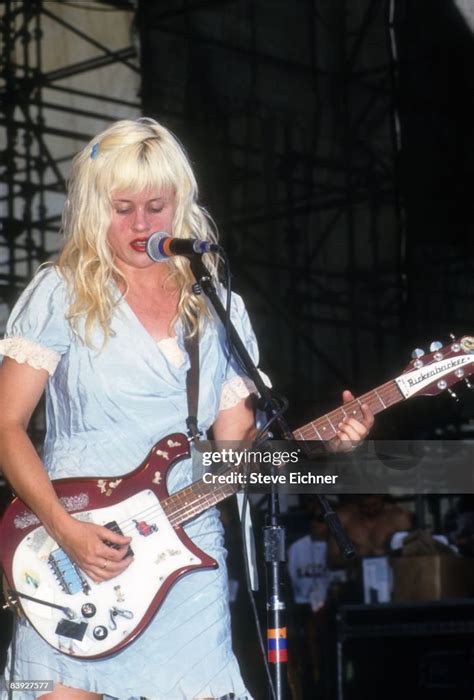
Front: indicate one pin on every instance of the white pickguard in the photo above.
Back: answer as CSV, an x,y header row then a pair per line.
x,y
156,556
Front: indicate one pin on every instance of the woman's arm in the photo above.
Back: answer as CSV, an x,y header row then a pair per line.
x,y
21,388
236,423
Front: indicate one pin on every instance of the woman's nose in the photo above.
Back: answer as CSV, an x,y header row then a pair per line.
x,y
140,221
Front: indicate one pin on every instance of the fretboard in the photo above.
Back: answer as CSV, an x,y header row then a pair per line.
x,y
199,496
325,428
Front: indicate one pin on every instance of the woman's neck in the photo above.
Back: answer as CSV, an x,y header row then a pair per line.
x,y
153,280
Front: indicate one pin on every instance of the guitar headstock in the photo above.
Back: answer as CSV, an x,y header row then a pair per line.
x,y
439,370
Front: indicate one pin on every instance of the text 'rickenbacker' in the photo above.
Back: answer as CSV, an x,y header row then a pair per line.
x,y
87,620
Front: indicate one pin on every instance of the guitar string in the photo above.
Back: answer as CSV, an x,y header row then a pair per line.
x,y
385,395
391,394
127,525
389,390
174,515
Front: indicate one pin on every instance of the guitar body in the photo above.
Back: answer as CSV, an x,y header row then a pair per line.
x,y
99,619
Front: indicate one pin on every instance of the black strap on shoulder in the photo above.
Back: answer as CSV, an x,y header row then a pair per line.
x,y
191,345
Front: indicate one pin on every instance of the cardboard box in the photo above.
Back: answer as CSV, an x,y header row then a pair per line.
x,y
432,577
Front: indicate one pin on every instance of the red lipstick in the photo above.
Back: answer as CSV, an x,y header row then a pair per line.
x,y
139,244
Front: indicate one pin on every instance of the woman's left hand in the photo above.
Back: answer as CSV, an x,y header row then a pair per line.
x,y
351,431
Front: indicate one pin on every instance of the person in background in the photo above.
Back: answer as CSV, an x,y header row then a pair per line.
x,y
307,563
369,520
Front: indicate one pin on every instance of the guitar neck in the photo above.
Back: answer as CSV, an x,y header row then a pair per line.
x,y
325,428
199,496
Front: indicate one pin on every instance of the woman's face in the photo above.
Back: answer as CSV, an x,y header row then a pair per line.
x,y
134,218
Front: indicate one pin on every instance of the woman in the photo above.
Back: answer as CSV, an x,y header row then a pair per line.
x,y
102,331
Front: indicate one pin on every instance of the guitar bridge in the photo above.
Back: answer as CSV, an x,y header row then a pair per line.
x,y
67,573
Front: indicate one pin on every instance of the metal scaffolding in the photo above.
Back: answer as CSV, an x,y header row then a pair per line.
x,y
295,141
288,111
52,78
59,86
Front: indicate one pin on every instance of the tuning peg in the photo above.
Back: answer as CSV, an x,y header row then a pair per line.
x,y
417,353
453,395
436,345
468,383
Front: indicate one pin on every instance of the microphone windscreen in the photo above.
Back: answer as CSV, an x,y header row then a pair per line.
x,y
154,246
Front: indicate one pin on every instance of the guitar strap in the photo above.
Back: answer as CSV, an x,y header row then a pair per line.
x,y
191,345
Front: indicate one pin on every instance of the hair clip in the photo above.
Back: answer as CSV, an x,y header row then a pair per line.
x,y
94,151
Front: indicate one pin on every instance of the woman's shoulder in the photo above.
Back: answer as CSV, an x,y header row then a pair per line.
x,y
48,276
43,300
38,321
48,286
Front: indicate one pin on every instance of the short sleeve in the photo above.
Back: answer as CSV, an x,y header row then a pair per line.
x,y
37,331
236,385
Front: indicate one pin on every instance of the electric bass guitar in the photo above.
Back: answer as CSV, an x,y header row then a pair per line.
x,y
87,620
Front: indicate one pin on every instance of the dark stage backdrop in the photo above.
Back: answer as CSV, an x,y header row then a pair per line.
x,y
340,172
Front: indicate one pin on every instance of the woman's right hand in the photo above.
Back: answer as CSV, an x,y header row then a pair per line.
x,y
89,547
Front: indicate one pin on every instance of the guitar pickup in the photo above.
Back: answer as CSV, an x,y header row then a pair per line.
x,y
114,527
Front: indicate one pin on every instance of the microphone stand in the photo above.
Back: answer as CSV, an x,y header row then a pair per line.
x,y
273,532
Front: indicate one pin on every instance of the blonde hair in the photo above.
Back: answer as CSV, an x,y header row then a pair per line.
x,y
133,156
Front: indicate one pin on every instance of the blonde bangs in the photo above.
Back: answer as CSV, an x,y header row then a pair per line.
x,y
136,168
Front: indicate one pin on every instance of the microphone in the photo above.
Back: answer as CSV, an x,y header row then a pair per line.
x,y
160,246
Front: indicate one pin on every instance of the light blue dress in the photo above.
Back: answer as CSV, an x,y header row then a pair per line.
x,y
105,409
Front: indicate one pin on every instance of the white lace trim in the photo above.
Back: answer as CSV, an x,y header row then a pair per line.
x,y
24,350
171,350
235,390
